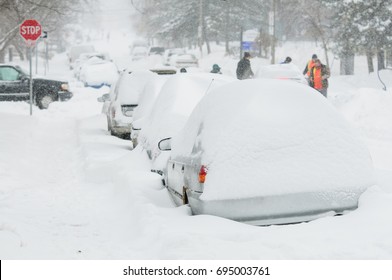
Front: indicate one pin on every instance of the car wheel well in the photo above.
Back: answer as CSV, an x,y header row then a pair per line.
x,y
43,100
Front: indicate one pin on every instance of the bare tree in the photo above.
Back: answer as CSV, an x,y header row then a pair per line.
x,y
52,14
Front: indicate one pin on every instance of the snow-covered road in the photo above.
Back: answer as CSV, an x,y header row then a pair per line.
x,y
71,191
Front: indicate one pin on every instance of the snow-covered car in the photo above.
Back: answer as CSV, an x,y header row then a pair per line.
x,y
184,60
266,152
75,51
175,102
169,53
154,50
127,91
96,73
139,53
284,71
146,102
84,58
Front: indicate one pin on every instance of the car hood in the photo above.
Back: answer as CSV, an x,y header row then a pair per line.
x,y
52,81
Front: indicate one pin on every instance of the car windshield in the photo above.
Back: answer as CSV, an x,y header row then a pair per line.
x,y
22,70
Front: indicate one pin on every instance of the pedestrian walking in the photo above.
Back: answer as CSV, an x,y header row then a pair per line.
x,y
287,60
318,78
309,66
244,70
216,69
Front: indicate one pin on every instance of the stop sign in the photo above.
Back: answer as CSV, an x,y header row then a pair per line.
x,y
30,30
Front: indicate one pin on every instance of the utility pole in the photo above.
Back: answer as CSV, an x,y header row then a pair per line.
x,y
272,21
200,29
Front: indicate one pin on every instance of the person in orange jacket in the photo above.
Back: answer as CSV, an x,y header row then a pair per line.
x,y
318,78
309,66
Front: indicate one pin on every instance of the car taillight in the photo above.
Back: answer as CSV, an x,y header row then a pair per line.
x,y
202,174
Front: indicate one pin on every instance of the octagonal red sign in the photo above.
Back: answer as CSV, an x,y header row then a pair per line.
x,y
30,30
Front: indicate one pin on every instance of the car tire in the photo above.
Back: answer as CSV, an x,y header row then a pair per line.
x,y
185,200
134,143
45,100
108,123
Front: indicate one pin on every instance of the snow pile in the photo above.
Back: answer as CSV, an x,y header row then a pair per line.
x,y
270,137
370,110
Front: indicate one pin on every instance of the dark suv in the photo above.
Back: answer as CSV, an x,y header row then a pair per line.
x,y
15,86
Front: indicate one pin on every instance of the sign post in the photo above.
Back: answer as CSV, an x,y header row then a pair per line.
x,y
30,30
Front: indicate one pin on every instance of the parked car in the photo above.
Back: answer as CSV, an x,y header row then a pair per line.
x,y
184,61
96,73
175,102
156,50
84,58
282,71
15,86
267,152
139,53
169,53
127,91
145,104
75,51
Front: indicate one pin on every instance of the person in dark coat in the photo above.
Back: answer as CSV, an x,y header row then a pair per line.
x,y
216,69
309,65
244,71
319,75
287,60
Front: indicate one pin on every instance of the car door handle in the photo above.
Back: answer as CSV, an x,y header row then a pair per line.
x,y
182,169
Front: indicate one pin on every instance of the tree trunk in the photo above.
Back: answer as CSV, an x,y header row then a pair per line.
x,y
2,55
389,58
325,47
380,59
369,56
204,26
227,22
20,52
10,54
347,64
206,39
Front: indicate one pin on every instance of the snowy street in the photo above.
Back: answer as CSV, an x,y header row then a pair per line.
x,y
69,190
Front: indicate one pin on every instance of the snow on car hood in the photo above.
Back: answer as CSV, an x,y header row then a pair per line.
x,y
149,95
270,137
131,86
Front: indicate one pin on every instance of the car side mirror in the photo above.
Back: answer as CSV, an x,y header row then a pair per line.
x,y
165,144
24,79
104,98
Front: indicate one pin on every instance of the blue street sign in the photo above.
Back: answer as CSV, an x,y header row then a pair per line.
x,y
246,46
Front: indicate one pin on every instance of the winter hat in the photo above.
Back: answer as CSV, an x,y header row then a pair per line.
x,y
246,54
216,67
314,56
